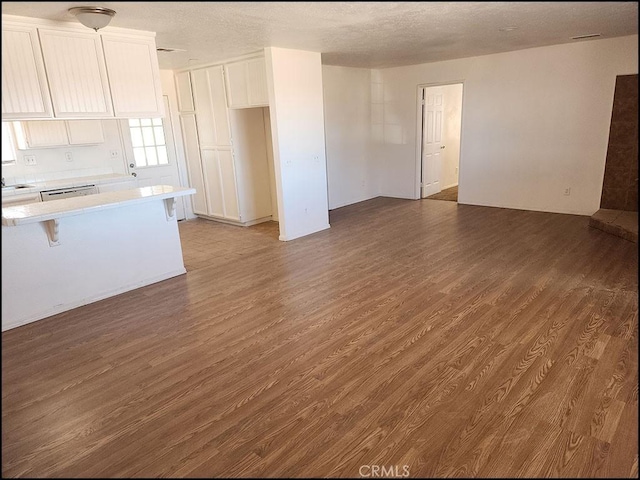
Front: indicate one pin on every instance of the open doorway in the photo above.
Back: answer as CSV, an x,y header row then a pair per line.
x,y
441,125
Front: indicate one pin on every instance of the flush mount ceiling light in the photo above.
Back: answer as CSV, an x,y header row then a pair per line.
x,y
169,49
508,29
93,17
588,35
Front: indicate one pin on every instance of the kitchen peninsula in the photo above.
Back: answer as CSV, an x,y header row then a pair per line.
x,y
66,253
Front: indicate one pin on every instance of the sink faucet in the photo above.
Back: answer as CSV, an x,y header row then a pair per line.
x,y
3,181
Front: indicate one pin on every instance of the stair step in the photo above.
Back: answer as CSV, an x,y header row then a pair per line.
x,y
621,223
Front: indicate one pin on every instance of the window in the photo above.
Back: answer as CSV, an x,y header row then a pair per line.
x,y
148,142
8,146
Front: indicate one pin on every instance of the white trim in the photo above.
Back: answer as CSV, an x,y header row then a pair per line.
x,y
418,172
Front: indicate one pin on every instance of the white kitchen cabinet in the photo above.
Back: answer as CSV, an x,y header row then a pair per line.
x,y
183,91
85,132
66,71
211,172
194,163
210,107
226,149
77,74
134,76
228,184
25,93
45,133
56,133
246,83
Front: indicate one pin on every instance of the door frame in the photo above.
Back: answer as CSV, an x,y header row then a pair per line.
x,y
417,190
168,124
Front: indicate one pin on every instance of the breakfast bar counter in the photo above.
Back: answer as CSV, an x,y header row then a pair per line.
x,y
65,253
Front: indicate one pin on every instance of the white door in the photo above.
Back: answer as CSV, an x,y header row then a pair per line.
x,y
432,112
151,154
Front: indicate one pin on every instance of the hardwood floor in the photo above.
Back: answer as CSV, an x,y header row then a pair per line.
x,y
455,340
449,194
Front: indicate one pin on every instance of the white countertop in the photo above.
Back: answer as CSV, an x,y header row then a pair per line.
x,y
43,211
37,187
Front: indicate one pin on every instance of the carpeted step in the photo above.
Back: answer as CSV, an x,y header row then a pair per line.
x,y
620,223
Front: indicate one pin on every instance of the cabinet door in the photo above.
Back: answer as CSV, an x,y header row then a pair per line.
x,y
237,84
257,83
194,164
246,83
213,182
76,71
25,93
134,76
45,133
85,132
211,107
228,182
183,90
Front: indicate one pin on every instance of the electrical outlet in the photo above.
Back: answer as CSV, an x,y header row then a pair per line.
x,y
30,160
114,153
68,157
567,191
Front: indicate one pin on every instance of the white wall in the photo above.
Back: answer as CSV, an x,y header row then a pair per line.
x,y
451,129
294,80
88,160
534,122
351,171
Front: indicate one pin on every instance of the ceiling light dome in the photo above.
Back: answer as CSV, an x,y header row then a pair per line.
x,y
93,17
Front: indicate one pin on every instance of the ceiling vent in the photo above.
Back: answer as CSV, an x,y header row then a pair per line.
x,y
589,35
169,50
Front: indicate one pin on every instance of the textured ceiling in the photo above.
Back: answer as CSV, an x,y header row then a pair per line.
x,y
357,34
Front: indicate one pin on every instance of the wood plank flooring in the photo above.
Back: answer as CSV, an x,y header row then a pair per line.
x,y
452,339
448,194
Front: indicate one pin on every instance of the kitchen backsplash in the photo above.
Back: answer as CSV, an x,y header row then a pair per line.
x,y
51,163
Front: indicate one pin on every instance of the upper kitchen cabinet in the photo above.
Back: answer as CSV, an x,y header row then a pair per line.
x,y
25,93
77,74
57,133
63,70
246,83
134,76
